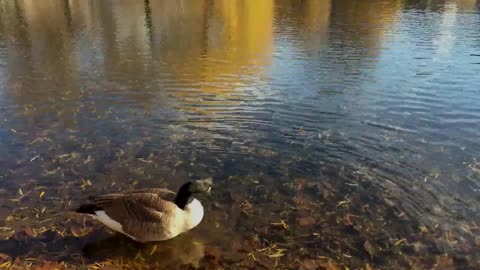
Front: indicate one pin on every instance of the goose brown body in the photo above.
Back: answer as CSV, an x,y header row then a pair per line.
x,y
145,215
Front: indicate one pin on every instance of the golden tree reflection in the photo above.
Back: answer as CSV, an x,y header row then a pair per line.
x,y
364,23
225,44
43,67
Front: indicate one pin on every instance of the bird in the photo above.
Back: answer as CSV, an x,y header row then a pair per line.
x,y
145,216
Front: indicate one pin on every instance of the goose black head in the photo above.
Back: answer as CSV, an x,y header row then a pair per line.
x,y
186,191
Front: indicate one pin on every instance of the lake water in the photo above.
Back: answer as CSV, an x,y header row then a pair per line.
x,y
338,133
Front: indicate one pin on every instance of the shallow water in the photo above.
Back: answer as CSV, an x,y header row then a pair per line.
x,y
338,133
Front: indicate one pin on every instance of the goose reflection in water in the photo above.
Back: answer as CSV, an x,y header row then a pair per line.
x,y
183,250
187,249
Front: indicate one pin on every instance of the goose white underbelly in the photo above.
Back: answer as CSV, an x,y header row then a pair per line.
x,y
110,223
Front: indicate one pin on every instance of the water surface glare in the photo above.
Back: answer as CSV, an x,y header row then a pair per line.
x,y
339,133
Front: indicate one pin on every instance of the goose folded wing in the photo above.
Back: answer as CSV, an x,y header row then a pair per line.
x,y
134,208
163,193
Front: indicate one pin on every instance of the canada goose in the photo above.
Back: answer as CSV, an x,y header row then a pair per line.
x,y
145,216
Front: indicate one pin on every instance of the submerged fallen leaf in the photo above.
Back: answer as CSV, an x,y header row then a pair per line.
x,y
423,228
154,248
299,184
49,266
246,207
444,263
272,251
303,203
281,223
369,248
276,255
4,257
76,231
306,221
343,203
399,242
52,171
251,254
330,265
30,232
347,221
309,265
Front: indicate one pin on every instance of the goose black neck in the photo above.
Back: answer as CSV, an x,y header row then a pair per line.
x,y
184,196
